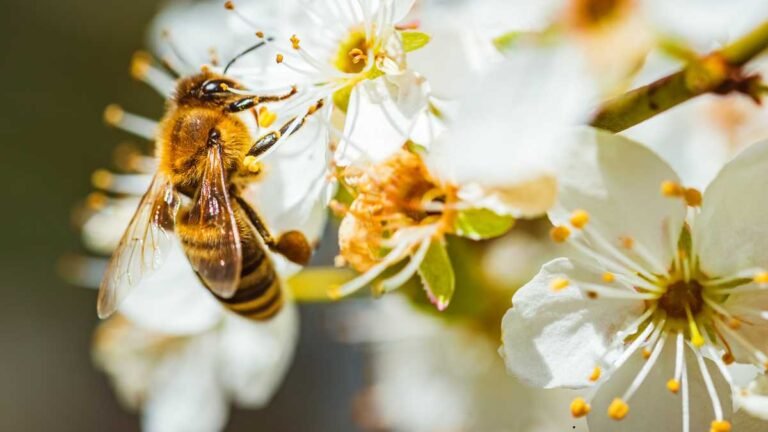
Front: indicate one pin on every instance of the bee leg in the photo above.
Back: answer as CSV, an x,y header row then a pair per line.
x,y
251,101
267,141
292,244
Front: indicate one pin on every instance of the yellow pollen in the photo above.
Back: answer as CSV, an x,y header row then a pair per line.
x,y
95,200
618,409
671,189
295,42
646,353
580,407
559,233
720,426
627,242
673,385
252,164
279,58
761,278
579,219
558,284
608,277
734,323
101,179
266,117
595,374
692,197
140,64
113,114
260,34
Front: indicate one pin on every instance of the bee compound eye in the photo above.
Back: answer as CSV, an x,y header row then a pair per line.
x,y
213,87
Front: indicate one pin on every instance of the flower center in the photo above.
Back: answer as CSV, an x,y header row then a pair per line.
x,y
681,296
352,56
588,14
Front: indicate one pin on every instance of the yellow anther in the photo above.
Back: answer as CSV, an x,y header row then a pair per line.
x,y
720,426
595,375
229,5
140,64
113,114
266,117
260,34
761,278
579,219
618,409
734,323
279,58
580,407
101,179
627,242
608,277
295,41
671,189
673,385
357,55
692,197
646,353
559,284
559,233
95,200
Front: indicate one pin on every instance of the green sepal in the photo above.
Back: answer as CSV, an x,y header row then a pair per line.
x,y
413,40
479,224
437,276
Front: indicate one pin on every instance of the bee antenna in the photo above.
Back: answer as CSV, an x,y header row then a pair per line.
x,y
253,48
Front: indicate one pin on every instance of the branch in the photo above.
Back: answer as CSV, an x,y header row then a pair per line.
x,y
718,72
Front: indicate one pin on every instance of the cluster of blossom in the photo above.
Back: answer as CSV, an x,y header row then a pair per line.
x,y
451,131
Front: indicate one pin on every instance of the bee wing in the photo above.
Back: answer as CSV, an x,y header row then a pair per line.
x,y
212,217
143,247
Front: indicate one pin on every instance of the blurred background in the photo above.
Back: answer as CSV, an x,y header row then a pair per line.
x,y
63,62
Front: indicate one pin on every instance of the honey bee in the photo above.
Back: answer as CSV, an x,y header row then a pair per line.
x,y
202,147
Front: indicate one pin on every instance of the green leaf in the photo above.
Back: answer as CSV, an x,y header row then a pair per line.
x,y
413,40
437,275
478,224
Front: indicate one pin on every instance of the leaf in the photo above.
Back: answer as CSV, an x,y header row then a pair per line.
x,y
413,40
478,224
437,275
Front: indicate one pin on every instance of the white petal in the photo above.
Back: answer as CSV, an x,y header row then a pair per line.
x,y
513,117
754,398
401,8
618,182
730,231
255,356
186,395
555,339
173,300
104,229
526,199
653,407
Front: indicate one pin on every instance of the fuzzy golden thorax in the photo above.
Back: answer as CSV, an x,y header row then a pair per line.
x,y
197,119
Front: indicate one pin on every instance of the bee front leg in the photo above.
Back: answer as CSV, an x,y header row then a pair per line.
x,y
251,101
292,244
267,141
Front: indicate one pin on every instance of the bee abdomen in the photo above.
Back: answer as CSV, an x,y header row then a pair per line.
x,y
259,294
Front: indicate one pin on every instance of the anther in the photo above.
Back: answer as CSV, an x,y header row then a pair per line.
x,y
229,5
140,64
579,219
692,197
101,179
618,409
595,375
580,407
646,353
113,114
627,242
591,295
728,358
608,277
559,284
266,117
279,58
734,323
357,55
720,426
671,189
559,233
260,34
295,42
673,386
761,278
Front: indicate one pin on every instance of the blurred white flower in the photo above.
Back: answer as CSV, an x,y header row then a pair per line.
x,y
183,383
639,285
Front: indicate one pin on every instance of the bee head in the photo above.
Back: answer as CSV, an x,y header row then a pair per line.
x,y
206,89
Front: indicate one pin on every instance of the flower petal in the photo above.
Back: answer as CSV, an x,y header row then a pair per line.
x,y
186,395
255,356
653,407
618,182
555,339
730,233
754,398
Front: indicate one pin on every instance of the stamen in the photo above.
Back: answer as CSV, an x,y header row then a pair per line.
x,y
397,254
279,58
696,339
579,219
595,375
559,233
671,189
673,386
709,384
686,402
647,366
402,277
679,359
580,407
720,426
608,277
627,242
692,197
137,125
761,278
252,164
295,41
618,409
130,184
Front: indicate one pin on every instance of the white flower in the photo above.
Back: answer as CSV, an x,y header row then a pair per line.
x,y
184,382
683,285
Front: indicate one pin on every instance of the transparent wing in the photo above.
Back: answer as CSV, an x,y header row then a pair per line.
x,y
211,216
143,247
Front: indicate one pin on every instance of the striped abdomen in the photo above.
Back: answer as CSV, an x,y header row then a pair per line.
x,y
259,295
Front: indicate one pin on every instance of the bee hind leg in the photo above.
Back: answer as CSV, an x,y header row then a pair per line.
x,y
267,141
